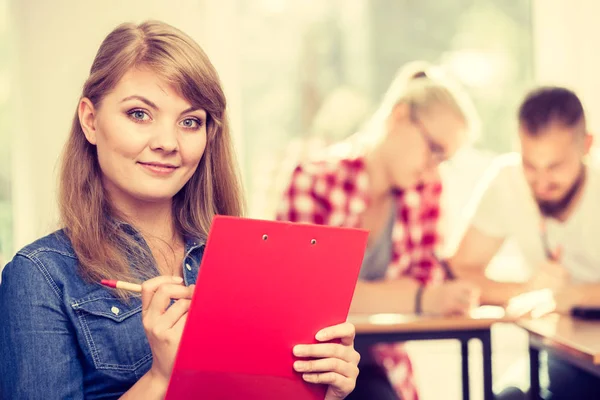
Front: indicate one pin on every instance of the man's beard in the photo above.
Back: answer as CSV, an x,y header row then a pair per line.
x,y
554,208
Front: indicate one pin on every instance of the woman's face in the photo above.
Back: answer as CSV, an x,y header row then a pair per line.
x,y
417,142
149,139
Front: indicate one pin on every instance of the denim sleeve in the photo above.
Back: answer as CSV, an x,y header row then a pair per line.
x,y
38,347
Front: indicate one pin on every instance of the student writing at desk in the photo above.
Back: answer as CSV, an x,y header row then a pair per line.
x,y
380,179
147,165
546,199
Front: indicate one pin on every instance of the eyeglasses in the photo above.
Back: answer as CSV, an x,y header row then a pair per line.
x,y
437,151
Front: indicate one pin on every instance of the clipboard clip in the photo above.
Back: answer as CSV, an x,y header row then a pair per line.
x,y
265,237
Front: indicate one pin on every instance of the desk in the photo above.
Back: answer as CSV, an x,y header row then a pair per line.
x,y
378,328
572,340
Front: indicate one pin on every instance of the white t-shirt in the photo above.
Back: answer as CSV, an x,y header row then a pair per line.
x,y
505,208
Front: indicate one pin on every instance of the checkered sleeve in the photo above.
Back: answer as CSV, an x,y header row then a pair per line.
x,y
301,200
430,216
424,266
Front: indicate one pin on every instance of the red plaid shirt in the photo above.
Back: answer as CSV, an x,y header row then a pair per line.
x,y
334,191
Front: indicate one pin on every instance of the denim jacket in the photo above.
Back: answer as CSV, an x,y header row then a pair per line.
x,y
62,337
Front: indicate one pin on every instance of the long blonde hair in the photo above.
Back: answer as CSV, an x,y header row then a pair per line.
x,y
103,247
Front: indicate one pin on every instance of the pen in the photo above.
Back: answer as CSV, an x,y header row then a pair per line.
x,y
446,267
132,287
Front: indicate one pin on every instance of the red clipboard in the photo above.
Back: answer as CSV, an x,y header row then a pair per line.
x,y
263,287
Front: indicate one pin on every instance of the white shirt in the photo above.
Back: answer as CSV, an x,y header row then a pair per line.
x,y
505,208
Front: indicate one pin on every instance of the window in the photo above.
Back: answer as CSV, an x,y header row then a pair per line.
x,y
313,70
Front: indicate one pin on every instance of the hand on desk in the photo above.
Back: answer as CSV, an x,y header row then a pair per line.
x,y
533,304
453,297
335,364
537,303
547,291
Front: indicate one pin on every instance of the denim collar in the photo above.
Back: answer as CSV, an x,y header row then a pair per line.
x,y
194,250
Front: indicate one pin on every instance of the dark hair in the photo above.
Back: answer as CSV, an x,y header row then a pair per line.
x,y
545,106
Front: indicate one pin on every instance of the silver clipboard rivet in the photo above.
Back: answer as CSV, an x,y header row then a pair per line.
x,y
265,237
313,241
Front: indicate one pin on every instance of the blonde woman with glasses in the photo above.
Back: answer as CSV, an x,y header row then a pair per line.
x,y
384,179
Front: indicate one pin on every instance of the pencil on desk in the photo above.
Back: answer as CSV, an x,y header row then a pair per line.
x,y
132,287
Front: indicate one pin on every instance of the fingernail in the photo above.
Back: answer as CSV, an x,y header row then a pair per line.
x,y
321,335
299,366
297,350
177,279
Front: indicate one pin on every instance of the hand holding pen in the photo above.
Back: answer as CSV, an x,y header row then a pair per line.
x,y
454,296
163,322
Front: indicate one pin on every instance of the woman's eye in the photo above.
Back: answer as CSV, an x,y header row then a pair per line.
x,y
191,123
139,115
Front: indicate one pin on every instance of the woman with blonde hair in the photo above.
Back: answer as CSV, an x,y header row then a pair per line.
x,y
385,179
148,164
